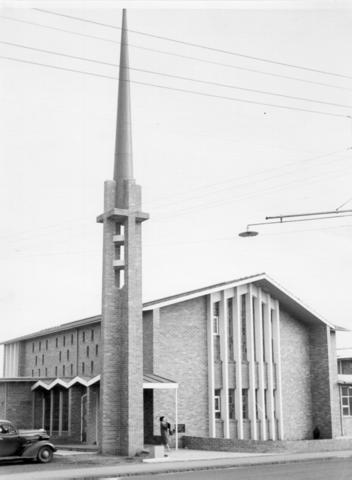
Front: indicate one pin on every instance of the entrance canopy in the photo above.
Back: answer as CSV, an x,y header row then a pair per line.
x,y
48,384
154,382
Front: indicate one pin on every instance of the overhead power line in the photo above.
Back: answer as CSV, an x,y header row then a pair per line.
x,y
235,183
163,52
197,45
181,90
177,77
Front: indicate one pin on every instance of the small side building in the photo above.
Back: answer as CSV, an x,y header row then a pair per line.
x,y
238,360
344,366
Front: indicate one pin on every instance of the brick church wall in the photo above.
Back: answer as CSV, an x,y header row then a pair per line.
x,y
296,378
39,357
324,381
181,356
19,404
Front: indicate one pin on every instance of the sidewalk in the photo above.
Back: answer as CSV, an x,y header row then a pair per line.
x,y
181,461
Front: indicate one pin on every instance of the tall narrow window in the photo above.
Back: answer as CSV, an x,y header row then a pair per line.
x,y
263,330
71,338
87,351
43,359
68,355
346,401
216,318
40,345
216,330
231,403
96,350
83,368
60,356
56,342
92,335
244,328
230,327
245,403
83,336
64,340
272,335
46,344
254,329
63,370
91,367
36,361
46,372
217,403
55,371
33,347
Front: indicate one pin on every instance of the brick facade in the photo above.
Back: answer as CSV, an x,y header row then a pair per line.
x,y
181,355
62,354
296,378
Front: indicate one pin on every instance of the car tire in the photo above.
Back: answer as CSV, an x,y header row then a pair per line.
x,y
45,454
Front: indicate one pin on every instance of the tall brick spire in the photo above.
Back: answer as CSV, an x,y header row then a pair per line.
x,y
121,389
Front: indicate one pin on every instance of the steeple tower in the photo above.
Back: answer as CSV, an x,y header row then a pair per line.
x,y
121,390
123,167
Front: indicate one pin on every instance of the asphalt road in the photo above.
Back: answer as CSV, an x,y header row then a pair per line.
x,y
318,470
336,469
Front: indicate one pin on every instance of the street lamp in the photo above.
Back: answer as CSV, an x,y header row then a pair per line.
x,y
296,217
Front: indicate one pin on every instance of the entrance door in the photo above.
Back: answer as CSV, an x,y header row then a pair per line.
x,y
148,416
84,418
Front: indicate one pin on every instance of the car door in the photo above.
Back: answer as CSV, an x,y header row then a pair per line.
x,y
9,440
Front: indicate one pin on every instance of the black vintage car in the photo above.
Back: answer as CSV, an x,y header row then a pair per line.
x,y
24,444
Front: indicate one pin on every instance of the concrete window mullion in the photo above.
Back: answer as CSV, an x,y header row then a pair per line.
x,y
260,362
211,367
51,411
270,372
238,359
277,359
251,364
225,369
60,411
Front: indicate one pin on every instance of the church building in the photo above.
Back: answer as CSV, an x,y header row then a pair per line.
x,y
239,360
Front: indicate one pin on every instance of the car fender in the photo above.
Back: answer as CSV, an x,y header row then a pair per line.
x,y
32,450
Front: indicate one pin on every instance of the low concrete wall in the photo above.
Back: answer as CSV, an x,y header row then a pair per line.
x,y
229,445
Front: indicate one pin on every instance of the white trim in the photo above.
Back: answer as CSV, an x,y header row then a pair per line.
x,y
159,386
277,358
260,360
225,366
252,400
237,333
58,381
210,347
206,291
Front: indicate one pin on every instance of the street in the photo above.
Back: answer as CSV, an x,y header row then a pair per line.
x,y
322,470
336,469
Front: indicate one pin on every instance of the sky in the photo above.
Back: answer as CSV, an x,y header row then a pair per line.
x,y
211,154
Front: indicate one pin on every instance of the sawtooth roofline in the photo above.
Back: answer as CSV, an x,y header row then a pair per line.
x,y
291,303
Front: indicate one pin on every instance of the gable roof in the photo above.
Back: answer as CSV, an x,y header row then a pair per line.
x,y
291,304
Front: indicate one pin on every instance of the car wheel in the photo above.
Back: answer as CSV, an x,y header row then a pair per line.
x,y
45,455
